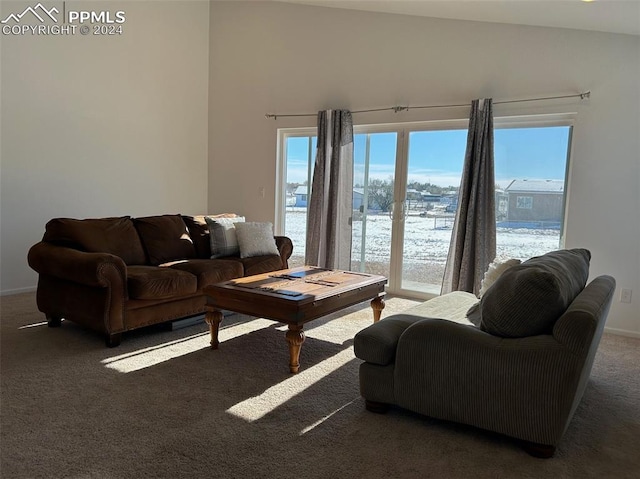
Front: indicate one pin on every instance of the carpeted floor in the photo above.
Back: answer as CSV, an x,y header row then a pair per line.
x,y
164,405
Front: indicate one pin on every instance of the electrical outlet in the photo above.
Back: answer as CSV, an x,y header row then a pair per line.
x,y
625,296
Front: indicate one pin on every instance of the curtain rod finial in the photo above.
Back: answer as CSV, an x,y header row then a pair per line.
x,y
270,115
586,94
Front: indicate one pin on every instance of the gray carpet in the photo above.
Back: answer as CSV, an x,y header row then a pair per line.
x,y
164,405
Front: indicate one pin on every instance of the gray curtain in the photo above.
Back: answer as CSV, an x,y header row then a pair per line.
x,y
473,240
331,200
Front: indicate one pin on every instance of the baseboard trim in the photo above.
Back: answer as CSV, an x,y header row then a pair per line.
x,y
622,332
191,320
9,292
186,322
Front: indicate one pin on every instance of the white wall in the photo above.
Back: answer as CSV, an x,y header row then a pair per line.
x,y
102,126
283,58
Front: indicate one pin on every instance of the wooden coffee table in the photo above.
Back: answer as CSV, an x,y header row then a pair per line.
x,y
293,297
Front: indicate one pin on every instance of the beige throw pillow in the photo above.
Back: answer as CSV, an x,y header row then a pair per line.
x,y
256,239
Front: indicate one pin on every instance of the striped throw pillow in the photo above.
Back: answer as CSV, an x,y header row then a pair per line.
x,y
222,235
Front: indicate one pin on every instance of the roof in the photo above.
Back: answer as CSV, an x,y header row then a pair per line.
x,y
535,186
301,190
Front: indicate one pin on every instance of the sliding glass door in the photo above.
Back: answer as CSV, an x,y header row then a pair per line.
x,y
405,194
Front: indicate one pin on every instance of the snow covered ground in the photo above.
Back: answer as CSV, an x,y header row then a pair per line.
x,y
426,243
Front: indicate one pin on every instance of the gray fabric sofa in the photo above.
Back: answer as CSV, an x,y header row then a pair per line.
x,y
520,370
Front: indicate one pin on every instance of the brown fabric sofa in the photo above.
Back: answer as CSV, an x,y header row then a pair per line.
x,y
117,274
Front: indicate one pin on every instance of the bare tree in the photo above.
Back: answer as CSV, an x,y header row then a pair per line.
x,y
381,194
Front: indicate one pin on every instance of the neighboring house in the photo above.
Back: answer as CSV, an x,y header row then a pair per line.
x,y
428,197
358,201
358,198
450,199
301,196
535,201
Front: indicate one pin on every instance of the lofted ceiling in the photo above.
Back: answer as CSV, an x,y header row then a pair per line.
x,y
614,16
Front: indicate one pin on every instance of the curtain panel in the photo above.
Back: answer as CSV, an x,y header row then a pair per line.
x,y
330,209
473,239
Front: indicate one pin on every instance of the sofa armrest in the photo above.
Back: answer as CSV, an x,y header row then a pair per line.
x,y
377,343
285,247
586,315
90,269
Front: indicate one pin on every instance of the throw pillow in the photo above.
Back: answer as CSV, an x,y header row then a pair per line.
x,y
494,271
256,239
199,232
165,238
474,314
222,236
527,299
116,236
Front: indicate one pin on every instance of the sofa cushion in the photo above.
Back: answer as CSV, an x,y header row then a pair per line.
x,y
153,282
528,299
165,238
116,236
256,239
209,271
199,232
222,236
452,306
261,264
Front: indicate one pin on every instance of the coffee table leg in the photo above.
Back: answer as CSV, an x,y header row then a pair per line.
x,y
377,305
213,317
295,338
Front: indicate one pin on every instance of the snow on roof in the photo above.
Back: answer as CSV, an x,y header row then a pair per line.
x,y
301,190
536,186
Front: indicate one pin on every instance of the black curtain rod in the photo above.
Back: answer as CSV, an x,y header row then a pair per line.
x,y
398,109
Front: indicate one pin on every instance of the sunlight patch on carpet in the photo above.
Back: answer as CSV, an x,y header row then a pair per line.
x,y
34,325
336,332
147,357
257,407
320,421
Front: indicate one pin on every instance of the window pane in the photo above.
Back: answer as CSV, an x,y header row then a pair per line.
x,y
530,172
433,179
299,159
374,164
